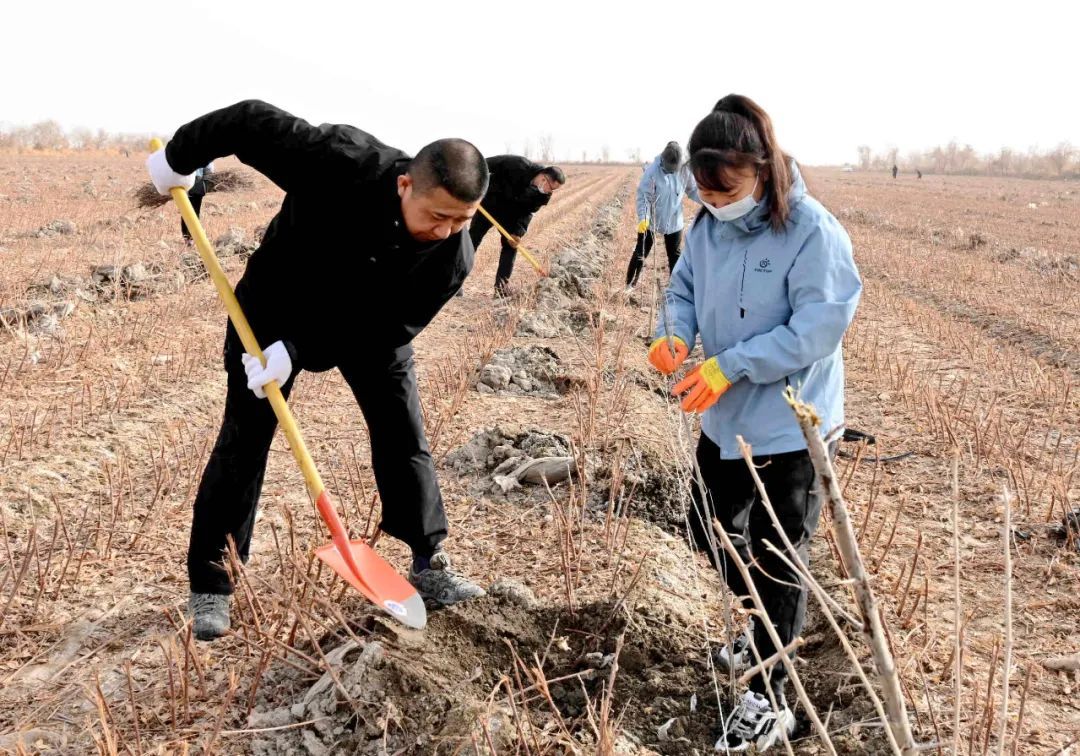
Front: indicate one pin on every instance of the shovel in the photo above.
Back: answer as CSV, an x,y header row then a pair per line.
x,y
355,561
517,244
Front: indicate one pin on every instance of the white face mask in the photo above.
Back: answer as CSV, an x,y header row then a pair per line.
x,y
736,209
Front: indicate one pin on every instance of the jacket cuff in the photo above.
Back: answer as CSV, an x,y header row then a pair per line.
x,y
294,356
174,160
662,332
728,363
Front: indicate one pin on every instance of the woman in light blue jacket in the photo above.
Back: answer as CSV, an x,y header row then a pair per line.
x,y
767,280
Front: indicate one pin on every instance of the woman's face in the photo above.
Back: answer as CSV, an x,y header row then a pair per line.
x,y
742,180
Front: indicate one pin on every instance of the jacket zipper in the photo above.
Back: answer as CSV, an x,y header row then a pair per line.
x,y
742,284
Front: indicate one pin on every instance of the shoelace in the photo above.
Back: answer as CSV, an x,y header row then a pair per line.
x,y
206,601
747,719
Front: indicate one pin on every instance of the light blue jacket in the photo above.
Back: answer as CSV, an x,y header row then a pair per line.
x,y
773,309
660,197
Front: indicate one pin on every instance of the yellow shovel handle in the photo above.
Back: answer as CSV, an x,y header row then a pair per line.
x,y
518,245
247,337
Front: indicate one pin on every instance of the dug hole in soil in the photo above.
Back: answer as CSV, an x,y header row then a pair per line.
x,y
426,692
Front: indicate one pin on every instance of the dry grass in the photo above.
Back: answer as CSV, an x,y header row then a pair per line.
x,y
958,352
228,180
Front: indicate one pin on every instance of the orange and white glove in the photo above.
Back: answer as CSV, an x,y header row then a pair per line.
x,y
703,386
661,357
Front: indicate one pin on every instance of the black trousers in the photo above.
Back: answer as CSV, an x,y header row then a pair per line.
x,y
412,506
733,500
644,247
196,204
516,225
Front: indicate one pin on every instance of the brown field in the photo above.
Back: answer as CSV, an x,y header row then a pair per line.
x,y
964,351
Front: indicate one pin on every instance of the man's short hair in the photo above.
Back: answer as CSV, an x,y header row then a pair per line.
x,y
555,173
455,165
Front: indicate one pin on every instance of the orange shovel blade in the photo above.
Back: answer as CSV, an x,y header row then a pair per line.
x,y
381,583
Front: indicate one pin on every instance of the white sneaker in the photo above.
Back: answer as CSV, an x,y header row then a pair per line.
x,y
754,723
735,657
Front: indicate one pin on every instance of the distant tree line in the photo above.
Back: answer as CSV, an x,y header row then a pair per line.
x,y
1062,161
50,136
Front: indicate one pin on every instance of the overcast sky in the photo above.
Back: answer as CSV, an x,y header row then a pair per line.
x,y
833,75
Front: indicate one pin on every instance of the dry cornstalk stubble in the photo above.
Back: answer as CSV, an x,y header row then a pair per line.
x,y
873,631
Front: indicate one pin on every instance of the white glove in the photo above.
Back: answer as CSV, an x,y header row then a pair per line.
x,y
278,368
164,177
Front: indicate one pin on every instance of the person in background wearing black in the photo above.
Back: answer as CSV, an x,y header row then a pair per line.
x,y
519,187
196,194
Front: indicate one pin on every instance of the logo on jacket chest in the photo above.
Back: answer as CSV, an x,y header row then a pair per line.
x,y
763,266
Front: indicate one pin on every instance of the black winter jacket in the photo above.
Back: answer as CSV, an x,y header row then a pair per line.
x,y
337,269
510,193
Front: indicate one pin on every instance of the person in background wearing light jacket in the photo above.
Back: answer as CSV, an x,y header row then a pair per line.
x,y
660,208
768,281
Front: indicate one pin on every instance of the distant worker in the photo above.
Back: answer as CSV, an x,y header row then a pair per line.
x,y
196,194
660,208
519,187
918,173
895,170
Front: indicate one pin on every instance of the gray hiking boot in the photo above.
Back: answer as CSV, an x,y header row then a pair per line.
x,y
439,584
210,614
735,656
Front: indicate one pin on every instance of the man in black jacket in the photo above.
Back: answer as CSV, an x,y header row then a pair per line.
x,y
519,187
367,247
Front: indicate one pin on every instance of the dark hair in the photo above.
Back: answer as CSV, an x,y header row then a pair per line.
x,y
555,173
671,155
455,165
739,134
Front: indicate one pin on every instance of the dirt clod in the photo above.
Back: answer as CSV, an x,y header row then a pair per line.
x,y
522,370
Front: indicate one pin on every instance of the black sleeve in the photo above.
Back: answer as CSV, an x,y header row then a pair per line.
x,y
294,355
510,176
497,179
519,224
287,150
